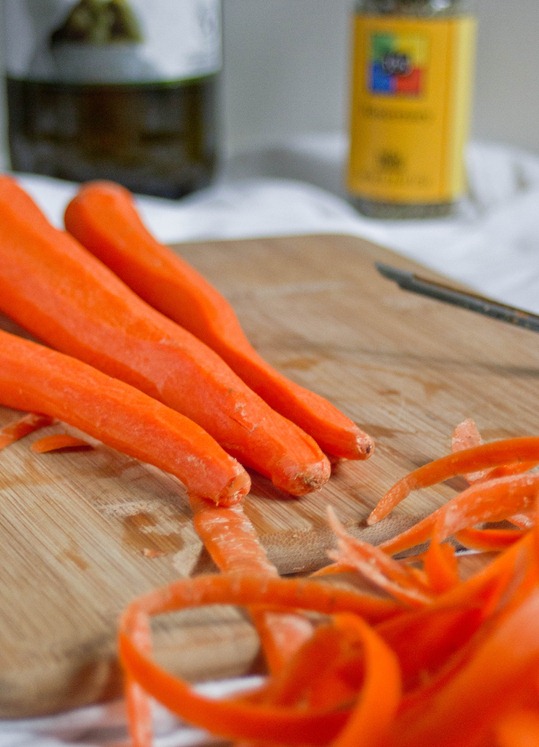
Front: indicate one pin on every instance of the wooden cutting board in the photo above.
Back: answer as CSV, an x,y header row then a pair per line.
x,y
83,533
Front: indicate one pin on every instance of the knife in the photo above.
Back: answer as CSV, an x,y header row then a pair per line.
x,y
465,299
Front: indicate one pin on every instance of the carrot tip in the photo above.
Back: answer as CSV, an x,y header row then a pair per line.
x,y
365,446
298,483
232,493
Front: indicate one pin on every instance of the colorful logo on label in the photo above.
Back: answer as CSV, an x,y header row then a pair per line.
x,y
397,64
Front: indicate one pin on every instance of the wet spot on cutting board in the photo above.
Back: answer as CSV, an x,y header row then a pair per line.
x,y
141,532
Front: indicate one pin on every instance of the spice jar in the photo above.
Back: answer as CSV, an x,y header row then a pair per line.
x,y
410,106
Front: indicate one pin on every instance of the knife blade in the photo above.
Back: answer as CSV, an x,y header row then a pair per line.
x,y
410,281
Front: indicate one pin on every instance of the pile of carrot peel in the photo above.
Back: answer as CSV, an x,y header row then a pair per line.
x,y
402,646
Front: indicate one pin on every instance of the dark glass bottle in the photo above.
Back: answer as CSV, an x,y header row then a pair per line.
x,y
115,89
410,106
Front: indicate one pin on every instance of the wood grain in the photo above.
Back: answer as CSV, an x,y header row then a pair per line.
x,y
84,532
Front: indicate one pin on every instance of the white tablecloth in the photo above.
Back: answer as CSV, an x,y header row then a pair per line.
x,y
492,244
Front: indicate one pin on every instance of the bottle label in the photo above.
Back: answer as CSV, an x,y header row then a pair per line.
x,y
411,93
112,41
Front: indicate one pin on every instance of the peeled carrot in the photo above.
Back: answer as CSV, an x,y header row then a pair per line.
x,y
23,426
104,218
57,290
37,378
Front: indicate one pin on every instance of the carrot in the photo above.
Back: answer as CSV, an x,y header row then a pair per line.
x,y
379,698
38,378
138,704
344,666
230,538
486,539
304,677
456,671
441,567
481,689
467,435
524,449
519,728
57,290
104,218
456,667
23,426
492,501
377,567
59,442
233,543
237,718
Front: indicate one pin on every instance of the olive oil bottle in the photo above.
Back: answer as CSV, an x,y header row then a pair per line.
x,y
410,103
114,89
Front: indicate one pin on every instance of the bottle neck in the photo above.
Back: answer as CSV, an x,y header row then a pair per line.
x,y
414,8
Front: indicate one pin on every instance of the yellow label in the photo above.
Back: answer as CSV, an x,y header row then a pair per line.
x,y
411,93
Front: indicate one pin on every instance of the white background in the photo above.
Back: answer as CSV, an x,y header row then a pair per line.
x,y
286,71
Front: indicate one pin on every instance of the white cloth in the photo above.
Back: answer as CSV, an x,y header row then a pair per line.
x,y
492,244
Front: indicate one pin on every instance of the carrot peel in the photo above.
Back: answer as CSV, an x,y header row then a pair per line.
x,y
59,442
23,426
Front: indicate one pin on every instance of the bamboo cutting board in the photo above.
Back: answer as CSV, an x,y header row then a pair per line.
x,y
83,533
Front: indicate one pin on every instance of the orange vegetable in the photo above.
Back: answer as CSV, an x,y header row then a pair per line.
x,y
510,451
520,728
233,543
104,218
22,427
56,289
371,719
377,567
237,718
505,659
456,667
495,500
59,442
35,377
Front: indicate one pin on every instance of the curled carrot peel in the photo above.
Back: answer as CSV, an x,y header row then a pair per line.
x,y
60,442
520,728
104,218
371,719
234,545
378,567
239,719
455,669
509,451
23,426
459,666
506,658
488,539
56,289
492,501
38,378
